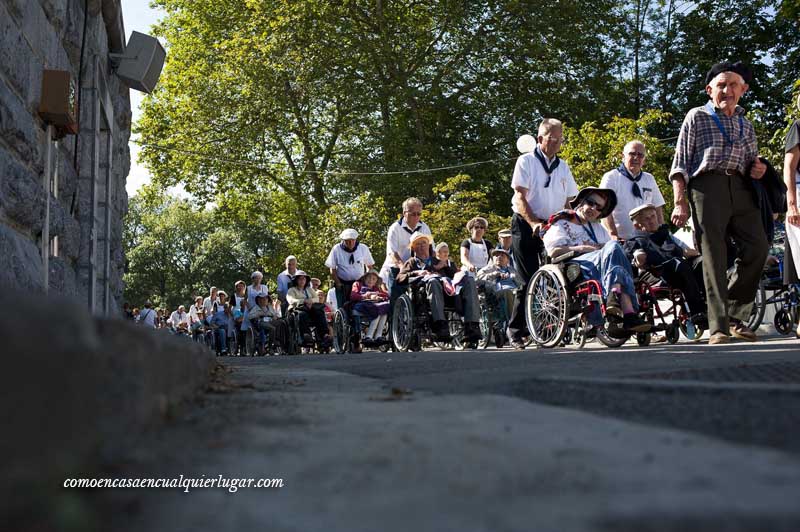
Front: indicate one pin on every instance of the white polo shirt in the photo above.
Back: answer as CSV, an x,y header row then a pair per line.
x,y
348,270
544,202
397,241
626,201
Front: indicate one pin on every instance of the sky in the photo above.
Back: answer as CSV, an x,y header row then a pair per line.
x,y
137,16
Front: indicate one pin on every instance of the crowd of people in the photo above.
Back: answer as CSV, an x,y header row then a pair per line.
x,y
617,233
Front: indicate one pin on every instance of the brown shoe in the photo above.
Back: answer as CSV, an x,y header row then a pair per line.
x,y
719,338
743,332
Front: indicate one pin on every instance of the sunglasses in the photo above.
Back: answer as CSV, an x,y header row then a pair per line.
x,y
592,203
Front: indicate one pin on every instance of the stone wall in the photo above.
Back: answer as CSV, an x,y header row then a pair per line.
x,y
47,34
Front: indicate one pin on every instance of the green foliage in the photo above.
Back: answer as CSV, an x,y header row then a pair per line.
x,y
594,149
456,202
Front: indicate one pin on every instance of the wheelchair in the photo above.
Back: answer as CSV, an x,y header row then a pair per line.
x,y
254,345
494,319
350,327
412,321
784,299
558,304
298,343
652,299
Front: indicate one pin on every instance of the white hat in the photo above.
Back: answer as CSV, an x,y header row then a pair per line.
x,y
348,234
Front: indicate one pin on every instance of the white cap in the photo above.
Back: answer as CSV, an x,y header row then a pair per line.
x,y
348,234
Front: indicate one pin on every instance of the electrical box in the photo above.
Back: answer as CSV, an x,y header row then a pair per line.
x,y
59,103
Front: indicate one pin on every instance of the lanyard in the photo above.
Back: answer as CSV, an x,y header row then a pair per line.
x,y
710,109
548,169
590,231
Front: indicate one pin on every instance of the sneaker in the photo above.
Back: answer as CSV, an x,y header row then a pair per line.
x,y
743,332
612,306
633,323
517,344
441,331
719,338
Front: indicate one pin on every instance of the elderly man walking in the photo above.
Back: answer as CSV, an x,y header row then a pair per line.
x,y
716,160
634,188
542,185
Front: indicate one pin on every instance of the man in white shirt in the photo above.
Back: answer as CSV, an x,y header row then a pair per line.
x,y
208,302
634,188
399,237
285,277
348,262
543,185
179,320
147,316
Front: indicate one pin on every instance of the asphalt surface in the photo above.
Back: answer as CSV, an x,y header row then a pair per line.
x,y
744,392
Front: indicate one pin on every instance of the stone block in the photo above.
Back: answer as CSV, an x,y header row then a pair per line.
x,y
67,176
62,278
69,242
20,261
21,195
15,54
18,128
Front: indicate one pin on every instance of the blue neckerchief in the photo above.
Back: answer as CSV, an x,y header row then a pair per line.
x,y
590,231
548,169
406,229
728,139
624,171
353,251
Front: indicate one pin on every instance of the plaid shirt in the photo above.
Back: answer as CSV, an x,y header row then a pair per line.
x,y
702,147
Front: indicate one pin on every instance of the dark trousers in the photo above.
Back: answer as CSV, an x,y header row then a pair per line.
x,y
725,205
526,248
312,317
680,274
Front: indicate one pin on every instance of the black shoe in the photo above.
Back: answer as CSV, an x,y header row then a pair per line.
x,y
472,332
633,323
615,330
368,342
441,331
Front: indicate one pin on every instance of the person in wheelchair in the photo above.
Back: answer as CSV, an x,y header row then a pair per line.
x,y
304,301
579,232
657,254
422,266
265,319
371,301
500,282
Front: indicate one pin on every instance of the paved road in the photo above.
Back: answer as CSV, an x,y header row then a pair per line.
x,y
469,441
747,392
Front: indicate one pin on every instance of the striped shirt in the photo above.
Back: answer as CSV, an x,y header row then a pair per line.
x,y
702,147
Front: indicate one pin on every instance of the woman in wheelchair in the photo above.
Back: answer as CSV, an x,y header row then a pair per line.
x,y
579,233
302,299
371,301
422,266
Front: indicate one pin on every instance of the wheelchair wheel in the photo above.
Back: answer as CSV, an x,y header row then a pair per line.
x,y
673,332
456,326
250,342
783,322
403,334
643,338
759,307
581,332
608,340
341,332
486,325
547,306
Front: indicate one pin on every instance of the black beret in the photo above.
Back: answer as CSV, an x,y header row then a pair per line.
x,y
738,67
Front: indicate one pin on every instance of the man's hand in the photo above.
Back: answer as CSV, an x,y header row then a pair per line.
x,y
640,259
536,227
680,213
793,215
758,169
585,248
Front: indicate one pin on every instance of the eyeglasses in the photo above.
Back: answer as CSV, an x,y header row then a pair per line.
x,y
635,154
479,227
592,203
410,213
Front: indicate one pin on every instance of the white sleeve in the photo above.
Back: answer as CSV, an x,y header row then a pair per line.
x,y
658,198
522,173
556,237
572,186
605,182
392,245
369,262
330,262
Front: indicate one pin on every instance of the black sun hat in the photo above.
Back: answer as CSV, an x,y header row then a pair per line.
x,y
607,193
